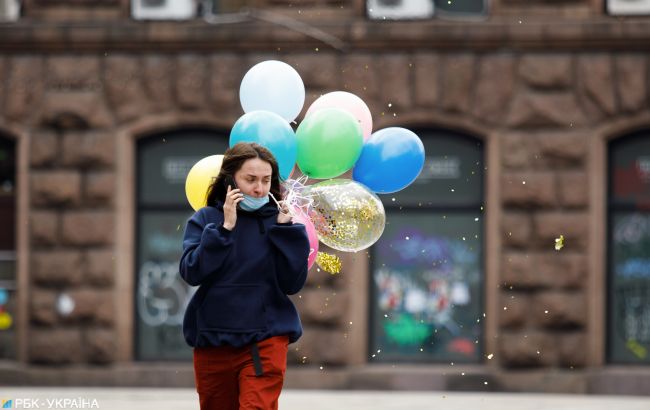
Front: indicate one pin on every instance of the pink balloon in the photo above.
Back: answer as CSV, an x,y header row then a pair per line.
x,y
301,218
347,102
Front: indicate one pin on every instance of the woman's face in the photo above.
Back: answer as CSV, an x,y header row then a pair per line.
x,y
254,177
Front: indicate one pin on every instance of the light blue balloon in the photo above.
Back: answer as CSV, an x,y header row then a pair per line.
x,y
272,132
4,296
390,161
273,86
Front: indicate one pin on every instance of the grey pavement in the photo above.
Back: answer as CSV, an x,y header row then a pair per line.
x,y
186,399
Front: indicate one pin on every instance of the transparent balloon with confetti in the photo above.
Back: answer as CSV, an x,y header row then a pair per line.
x,y
348,216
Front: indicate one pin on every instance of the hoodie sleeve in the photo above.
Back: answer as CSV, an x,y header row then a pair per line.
x,y
292,246
205,248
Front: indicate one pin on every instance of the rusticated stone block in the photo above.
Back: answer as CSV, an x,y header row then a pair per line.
x,y
44,149
427,79
513,310
496,82
527,349
55,346
631,73
75,109
394,71
88,228
226,73
191,81
322,306
24,87
100,267
546,71
123,86
596,85
516,229
562,149
99,188
520,272
319,346
574,189
57,267
73,72
159,80
359,76
99,345
44,226
88,149
534,190
572,350
563,269
560,309
458,78
318,72
43,307
519,151
56,188
550,225
532,110
91,306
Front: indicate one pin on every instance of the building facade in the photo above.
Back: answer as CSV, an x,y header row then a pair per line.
x,y
535,118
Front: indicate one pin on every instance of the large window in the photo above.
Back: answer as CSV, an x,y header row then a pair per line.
x,y
427,268
629,250
161,295
7,249
423,9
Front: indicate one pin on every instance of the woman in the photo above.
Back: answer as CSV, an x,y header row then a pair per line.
x,y
246,257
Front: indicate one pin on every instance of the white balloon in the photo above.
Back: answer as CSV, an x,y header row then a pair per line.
x,y
273,86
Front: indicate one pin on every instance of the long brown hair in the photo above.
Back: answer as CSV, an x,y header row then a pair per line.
x,y
233,159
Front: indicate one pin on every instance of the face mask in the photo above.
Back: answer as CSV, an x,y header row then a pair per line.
x,y
250,203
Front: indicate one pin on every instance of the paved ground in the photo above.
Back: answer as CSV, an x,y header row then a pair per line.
x,y
186,399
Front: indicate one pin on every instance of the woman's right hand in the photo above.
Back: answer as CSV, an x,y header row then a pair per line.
x,y
233,197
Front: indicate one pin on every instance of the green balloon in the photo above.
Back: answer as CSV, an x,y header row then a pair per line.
x,y
329,143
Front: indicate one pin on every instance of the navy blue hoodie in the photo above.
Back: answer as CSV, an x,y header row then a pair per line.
x,y
244,276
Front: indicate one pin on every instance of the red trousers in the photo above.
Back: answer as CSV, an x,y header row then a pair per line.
x,y
226,380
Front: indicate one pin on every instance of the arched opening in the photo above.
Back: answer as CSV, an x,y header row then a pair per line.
x,y
427,270
163,161
628,267
8,283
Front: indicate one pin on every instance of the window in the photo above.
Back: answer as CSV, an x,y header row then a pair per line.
x,y
162,210
629,250
9,10
424,9
7,249
427,268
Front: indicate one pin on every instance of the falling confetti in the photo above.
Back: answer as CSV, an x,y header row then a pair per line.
x,y
328,262
559,243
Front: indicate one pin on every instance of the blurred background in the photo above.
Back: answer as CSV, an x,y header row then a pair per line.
x,y
519,260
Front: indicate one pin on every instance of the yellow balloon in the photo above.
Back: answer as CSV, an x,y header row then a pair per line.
x,y
199,179
5,320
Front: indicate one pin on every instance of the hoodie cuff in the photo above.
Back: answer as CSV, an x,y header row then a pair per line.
x,y
225,232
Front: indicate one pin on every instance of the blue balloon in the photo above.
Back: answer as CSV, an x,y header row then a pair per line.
x,y
390,161
272,132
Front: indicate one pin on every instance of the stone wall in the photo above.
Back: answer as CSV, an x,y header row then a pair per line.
x,y
540,106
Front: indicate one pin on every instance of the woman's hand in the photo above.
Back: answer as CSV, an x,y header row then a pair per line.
x,y
284,216
233,197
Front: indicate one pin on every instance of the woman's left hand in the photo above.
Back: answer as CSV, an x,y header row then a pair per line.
x,y
284,216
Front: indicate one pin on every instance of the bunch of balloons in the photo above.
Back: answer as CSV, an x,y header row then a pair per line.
x,y
334,137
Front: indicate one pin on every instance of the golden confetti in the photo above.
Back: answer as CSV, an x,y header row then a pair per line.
x,y
559,243
328,262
